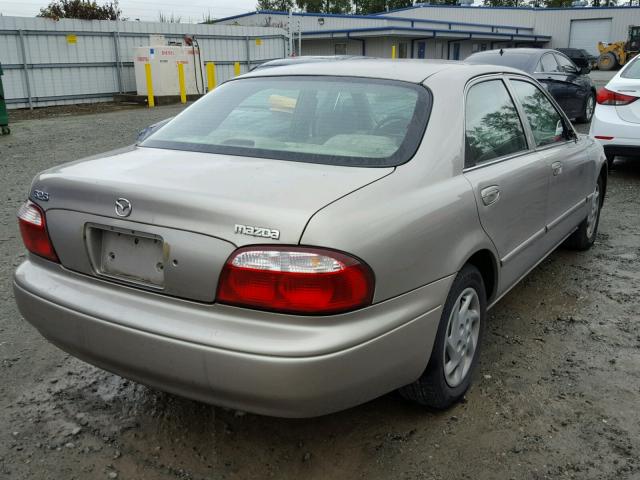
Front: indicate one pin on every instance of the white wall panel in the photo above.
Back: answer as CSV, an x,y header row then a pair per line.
x,y
491,16
558,23
319,22
553,22
62,72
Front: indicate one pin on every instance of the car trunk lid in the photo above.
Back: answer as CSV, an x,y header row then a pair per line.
x,y
188,212
627,86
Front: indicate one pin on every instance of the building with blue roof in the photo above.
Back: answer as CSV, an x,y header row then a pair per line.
x,y
446,32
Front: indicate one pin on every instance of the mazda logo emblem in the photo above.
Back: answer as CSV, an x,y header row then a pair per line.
x,y
123,207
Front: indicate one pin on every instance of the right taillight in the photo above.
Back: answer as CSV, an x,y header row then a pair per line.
x,y
33,228
608,97
298,280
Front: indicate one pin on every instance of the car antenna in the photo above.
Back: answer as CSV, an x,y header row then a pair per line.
x,y
501,52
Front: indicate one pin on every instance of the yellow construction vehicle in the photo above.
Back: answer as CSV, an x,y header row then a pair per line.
x,y
616,54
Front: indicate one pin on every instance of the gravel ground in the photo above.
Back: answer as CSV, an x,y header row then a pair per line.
x,y
601,78
556,395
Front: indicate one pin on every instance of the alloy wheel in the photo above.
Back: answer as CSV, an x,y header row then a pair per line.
x,y
590,107
592,218
462,334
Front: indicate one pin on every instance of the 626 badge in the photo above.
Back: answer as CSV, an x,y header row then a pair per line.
x,y
41,195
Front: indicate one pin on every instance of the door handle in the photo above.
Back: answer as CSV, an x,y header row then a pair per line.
x,y
556,168
490,195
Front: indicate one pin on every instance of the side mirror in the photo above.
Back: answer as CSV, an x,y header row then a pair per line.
x,y
585,70
570,133
143,134
564,130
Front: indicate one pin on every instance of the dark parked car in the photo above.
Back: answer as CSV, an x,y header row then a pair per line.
x,y
571,87
580,57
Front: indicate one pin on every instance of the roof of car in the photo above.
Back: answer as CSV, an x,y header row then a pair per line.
x,y
523,58
408,70
573,50
280,62
526,51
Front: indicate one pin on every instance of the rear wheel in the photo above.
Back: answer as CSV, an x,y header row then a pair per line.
x,y
457,344
585,235
588,109
607,61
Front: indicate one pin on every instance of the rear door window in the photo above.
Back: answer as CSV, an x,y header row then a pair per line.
x,y
492,124
632,71
548,64
565,64
546,123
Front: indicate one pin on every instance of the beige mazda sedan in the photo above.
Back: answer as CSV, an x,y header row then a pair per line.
x,y
308,237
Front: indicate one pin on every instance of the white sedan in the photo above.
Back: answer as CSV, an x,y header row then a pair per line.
x,y
616,121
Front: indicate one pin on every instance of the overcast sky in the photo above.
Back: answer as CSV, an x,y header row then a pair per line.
x,y
193,10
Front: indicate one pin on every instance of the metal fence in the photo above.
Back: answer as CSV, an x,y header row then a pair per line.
x,y
50,62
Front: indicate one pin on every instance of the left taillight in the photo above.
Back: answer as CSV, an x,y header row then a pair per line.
x,y
33,228
297,280
608,97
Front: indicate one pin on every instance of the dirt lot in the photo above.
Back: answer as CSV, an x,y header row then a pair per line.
x,y
557,394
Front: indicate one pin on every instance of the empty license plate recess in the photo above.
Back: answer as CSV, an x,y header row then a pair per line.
x,y
131,256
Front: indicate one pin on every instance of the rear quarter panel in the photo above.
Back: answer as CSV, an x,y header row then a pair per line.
x,y
596,161
420,223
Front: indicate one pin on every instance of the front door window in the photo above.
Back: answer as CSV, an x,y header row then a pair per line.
x,y
492,124
546,122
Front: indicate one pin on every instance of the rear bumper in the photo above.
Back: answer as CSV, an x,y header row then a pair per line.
x,y
97,323
623,150
626,135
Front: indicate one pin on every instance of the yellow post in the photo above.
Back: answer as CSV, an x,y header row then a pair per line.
x,y
147,70
393,52
211,76
236,68
183,89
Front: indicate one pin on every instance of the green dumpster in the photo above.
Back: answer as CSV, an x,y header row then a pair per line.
x,y
4,115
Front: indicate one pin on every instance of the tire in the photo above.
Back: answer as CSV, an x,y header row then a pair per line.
x,y
435,389
6,130
588,108
584,237
607,61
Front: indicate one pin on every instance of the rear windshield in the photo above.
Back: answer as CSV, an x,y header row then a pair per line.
x,y
633,70
521,61
330,120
